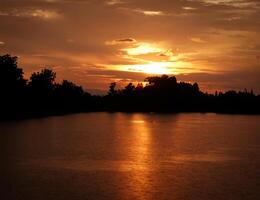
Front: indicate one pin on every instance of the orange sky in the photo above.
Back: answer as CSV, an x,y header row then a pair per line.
x,y
94,42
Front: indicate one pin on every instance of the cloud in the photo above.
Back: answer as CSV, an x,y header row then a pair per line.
x,y
229,80
151,12
188,8
121,41
126,40
45,14
197,40
67,1
229,28
167,53
113,2
143,48
34,13
233,3
52,1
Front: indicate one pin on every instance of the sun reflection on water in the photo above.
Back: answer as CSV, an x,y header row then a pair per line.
x,y
140,153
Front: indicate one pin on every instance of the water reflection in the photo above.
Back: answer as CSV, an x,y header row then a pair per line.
x,y
141,152
131,156
136,151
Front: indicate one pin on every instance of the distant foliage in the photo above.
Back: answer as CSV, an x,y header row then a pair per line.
x,y
165,94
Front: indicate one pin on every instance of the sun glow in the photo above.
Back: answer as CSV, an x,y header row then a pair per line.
x,y
143,48
152,68
150,58
149,55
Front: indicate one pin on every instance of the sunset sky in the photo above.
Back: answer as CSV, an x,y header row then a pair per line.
x,y
94,42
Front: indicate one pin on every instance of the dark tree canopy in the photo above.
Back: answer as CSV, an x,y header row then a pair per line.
x,y
11,78
69,89
42,81
112,89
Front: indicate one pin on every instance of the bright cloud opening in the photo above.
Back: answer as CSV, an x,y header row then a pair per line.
x,y
143,48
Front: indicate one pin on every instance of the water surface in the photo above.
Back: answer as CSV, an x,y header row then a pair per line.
x,y
131,156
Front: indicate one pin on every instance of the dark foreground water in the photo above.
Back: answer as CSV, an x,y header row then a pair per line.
x,y
131,156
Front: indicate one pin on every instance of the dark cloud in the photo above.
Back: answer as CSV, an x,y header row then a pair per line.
x,y
126,40
236,80
121,41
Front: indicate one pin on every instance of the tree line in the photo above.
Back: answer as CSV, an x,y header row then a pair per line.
x,y
41,95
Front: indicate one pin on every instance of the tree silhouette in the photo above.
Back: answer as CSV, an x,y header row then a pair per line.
x,y
112,89
41,96
129,89
12,87
68,89
11,80
42,82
